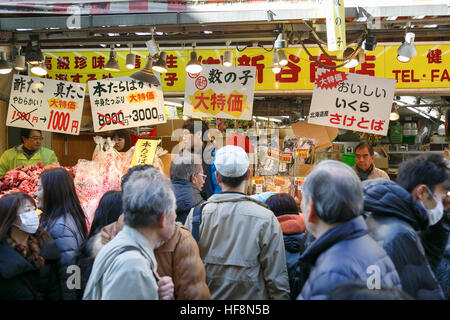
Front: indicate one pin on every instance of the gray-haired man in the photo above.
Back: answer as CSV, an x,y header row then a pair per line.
x,y
125,268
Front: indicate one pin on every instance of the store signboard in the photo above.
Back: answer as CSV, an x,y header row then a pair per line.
x,y
46,105
428,69
220,92
352,101
125,103
335,25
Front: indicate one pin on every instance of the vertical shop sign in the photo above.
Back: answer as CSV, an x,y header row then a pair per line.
x,y
126,103
220,92
336,25
47,105
145,152
352,101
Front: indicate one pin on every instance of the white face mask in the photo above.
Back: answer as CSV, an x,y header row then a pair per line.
x,y
435,214
30,222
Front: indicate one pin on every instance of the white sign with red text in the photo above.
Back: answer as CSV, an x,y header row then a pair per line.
x,y
352,101
45,104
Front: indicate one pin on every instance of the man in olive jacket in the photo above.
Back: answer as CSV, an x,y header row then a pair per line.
x,y
240,239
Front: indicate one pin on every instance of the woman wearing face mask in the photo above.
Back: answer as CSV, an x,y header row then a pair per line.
x,y
64,219
28,254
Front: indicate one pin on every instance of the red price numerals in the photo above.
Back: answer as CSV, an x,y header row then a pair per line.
x,y
59,120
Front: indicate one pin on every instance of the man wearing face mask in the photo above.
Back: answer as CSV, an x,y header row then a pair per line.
x,y
398,212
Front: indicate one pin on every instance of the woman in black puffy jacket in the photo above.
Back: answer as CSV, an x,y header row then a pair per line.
x,y
28,254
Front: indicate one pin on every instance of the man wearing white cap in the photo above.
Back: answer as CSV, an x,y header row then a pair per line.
x,y
240,239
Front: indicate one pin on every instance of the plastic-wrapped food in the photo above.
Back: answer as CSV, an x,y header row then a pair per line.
x,y
304,151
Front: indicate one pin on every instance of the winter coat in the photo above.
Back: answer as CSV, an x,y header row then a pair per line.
x,y
293,227
124,275
15,157
44,281
342,254
241,245
375,174
394,222
177,258
211,186
187,196
443,272
67,237
434,240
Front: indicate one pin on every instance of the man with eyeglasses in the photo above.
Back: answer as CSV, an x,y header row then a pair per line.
x,y
28,153
364,167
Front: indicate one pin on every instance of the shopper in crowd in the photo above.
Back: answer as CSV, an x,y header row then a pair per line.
x,y
343,251
240,239
122,139
293,227
442,271
108,211
177,257
63,218
358,290
398,211
28,254
187,178
27,153
195,140
364,167
125,268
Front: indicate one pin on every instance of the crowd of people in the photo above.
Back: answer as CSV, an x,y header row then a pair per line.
x,y
354,234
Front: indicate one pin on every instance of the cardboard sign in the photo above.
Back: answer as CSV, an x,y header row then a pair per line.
x,y
120,104
352,101
220,92
145,152
47,105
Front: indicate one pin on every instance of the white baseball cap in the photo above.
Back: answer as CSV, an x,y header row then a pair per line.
x,y
231,161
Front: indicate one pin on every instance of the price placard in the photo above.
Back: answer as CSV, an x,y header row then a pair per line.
x,y
280,181
258,180
299,181
145,152
45,104
125,103
286,157
301,153
274,154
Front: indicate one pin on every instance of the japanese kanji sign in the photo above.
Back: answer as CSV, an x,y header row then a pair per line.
x,y
352,101
47,105
145,152
335,25
220,92
428,69
125,103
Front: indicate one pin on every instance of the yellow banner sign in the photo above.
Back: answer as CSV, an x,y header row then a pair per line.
x,y
428,69
145,152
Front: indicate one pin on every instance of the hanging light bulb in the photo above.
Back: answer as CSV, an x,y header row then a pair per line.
x,y
407,50
228,56
33,53
112,64
282,57
161,65
131,59
276,67
19,63
193,66
39,69
5,68
146,74
351,63
394,116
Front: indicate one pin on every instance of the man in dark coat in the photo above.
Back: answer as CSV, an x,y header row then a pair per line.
x,y
398,212
187,178
343,251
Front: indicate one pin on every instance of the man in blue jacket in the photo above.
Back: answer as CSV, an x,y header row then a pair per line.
x,y
343,251
398,212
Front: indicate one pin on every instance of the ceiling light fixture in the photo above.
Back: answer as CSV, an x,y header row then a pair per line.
x,y
228,56
131,59
279,45
161,65
193,66
146,74
394,116
353,58
33,53
407,50
39,69
276,67
5,68
112,64
19,63
370,42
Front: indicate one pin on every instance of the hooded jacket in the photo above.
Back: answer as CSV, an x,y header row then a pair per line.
x,y
342,254
178,258
44,281
394,221
241,245
187,196
293,227
15,157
